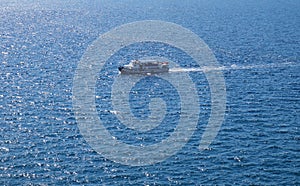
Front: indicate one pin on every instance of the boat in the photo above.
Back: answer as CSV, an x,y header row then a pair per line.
x,y
144,67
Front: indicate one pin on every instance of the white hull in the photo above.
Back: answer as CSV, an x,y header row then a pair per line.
x,y
145,67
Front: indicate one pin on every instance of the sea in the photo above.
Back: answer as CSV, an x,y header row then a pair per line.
x,y
257,48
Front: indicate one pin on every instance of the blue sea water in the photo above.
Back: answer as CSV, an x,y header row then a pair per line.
x,y
257,43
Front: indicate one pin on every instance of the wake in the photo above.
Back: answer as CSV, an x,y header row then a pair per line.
x,y
233,67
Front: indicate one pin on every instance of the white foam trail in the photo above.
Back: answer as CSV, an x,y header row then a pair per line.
x,y
233,67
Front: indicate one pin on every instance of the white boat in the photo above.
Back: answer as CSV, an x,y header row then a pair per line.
x,y
144,67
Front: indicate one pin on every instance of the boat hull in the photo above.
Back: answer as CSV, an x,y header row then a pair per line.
x,y
145,67
144,71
